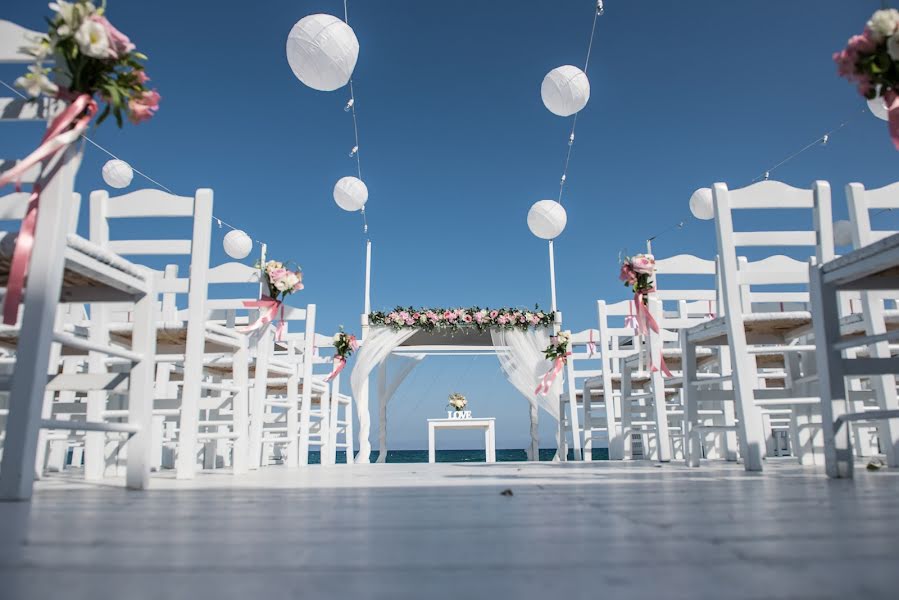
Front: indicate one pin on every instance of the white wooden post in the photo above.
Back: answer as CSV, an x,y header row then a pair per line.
x,y
367,299
692,442
552,277
240,406
382,411
33,351
293,420
663,438
306,395
140,390
534,453
186,461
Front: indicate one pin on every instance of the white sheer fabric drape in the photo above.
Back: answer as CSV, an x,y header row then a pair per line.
x,y
376,347
520,355
392,373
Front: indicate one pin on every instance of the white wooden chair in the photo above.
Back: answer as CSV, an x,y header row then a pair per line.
x,y
749,333
65,267
601,393
651,406
584,363
182,343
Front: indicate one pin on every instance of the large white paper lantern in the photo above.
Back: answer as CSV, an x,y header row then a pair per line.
x,y
237,244
322,51
701,204
842,233
565,90
117,173
879,108
350,193
547,219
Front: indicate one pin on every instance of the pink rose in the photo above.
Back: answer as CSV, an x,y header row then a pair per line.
x,y
410,321
494,314
298,287
467,318
119,43
141,76
277,274
627,274
534,319
501,319
861,44
643,264
143,107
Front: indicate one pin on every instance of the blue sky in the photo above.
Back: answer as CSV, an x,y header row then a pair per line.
x,y
456,145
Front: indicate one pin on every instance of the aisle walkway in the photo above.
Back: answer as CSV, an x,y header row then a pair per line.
x,y
421,531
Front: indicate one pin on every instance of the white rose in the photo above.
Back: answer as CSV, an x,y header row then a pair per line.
x,y
292,280
883,24
336,338
893,46
92,40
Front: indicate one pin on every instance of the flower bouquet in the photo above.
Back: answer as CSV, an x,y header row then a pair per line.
x,y
637,272
457,402
281,282
871,60
557,352
344,346
93,60
455,319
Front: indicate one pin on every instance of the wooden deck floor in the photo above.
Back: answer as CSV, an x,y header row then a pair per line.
x,y
572,531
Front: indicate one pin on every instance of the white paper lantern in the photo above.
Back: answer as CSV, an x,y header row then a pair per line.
x,y
237,244
117,173
547,219
879,108
322,51
842,233
701,204
565,90
350,193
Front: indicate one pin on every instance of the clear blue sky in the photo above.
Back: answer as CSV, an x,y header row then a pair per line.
x,y
456,145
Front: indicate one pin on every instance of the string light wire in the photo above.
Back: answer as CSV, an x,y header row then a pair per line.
x,y
217,220
356,151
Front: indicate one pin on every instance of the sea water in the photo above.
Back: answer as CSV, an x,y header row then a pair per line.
x,y
421,456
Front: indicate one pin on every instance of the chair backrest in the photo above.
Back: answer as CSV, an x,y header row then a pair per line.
x,y
614,337
861,203
740,277
685,307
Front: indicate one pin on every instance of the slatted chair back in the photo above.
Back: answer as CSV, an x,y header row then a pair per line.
x,y
861,204
740,279
685,307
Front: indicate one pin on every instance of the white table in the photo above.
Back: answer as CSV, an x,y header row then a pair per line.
x,y
487,424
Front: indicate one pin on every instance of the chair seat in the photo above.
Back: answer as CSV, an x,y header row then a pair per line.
x,y
91,272
171,338
760,328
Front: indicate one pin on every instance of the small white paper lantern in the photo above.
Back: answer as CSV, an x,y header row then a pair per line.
x,y
117,173
237,244
701,204
842,233
547,219
322,51
565,90
879,108
350,193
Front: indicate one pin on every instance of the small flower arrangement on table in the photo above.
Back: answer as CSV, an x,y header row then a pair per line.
x,y
93,61
457,402
871,60
557,352
344,346
281,282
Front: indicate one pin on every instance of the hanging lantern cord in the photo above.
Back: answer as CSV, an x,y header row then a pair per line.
x,y
351,107
599,11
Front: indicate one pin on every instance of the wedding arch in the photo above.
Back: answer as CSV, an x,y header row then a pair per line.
x,y
395,342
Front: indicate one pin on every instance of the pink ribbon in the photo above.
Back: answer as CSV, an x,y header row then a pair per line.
x,y
339,364
62,131
630,320
549,377
891,100
646,326
269,304
591,346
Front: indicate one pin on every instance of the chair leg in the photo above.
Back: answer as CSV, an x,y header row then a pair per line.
x,y
692,442
239,406
140,393
626,414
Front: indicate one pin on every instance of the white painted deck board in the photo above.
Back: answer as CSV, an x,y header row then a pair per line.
x,y
573,530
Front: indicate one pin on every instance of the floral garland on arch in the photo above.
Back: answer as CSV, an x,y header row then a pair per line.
x,y
344,346
281,282
558,353
94,61
871,60
456,319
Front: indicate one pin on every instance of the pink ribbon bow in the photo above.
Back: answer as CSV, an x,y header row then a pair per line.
x,y
646,325
891,100
591,346
630,320
339,364
62,131
549,377
270,307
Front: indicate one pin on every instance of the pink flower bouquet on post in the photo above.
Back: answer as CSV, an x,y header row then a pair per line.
x,y
93,60
344,346
637,272
871,60
281,282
